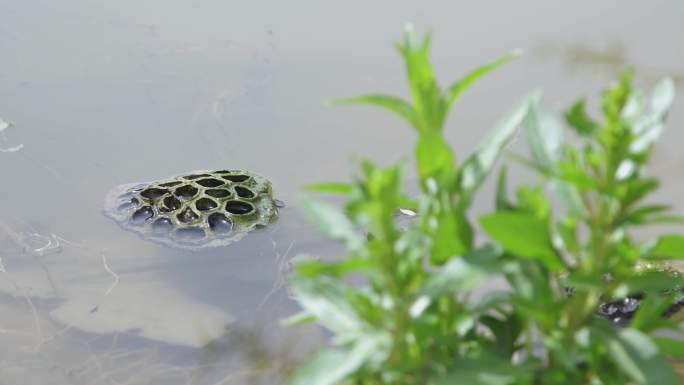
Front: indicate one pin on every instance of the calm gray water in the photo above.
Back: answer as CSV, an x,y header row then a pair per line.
x,y
106,93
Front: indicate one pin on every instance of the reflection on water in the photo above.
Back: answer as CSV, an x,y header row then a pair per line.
x,y
612,59
90,315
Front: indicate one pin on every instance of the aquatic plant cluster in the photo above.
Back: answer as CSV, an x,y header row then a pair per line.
x,y
414,304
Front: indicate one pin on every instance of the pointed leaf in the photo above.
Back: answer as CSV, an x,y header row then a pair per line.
x,y
331,188
669,246
391,103
478,165
544,135
456,90
579,120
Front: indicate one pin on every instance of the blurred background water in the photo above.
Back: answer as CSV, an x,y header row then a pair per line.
x,y
105,93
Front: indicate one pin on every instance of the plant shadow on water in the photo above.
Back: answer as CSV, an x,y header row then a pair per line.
x,y
94,314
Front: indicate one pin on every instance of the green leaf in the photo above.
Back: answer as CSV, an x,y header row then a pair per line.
x,y
452,237
429,105
478,165
579,120
502,201
670,347
325,299
523,235
337,269
638,357
390,103
642,215
330,366
434,156
331,188
332,222
457,275
649,127
487,370
650,318
669,246
455,91
638,189
301,318
653,282
544,135
506,331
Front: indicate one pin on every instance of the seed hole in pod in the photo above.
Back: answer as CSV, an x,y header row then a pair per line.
x,y
210,182
218,193
171,204
223,172
219,223
171,184
235,178
162,225
239,207
142,214
190,233
204,204
186,191
187,216
153,193
244,192
196,176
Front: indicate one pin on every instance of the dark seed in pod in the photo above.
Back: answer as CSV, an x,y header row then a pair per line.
x,y
218,193
162,225
244,192
235,178
219,223
153,193
171,184
210,182
142,214
190,233
196,176
171,204
204,204
187,216
239,208
186,192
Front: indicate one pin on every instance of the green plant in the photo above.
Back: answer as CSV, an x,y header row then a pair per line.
x,y
422,314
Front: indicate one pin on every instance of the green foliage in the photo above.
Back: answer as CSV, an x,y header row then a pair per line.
x,y
422,312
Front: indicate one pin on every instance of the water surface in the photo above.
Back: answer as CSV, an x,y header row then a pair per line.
x,y
103,94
